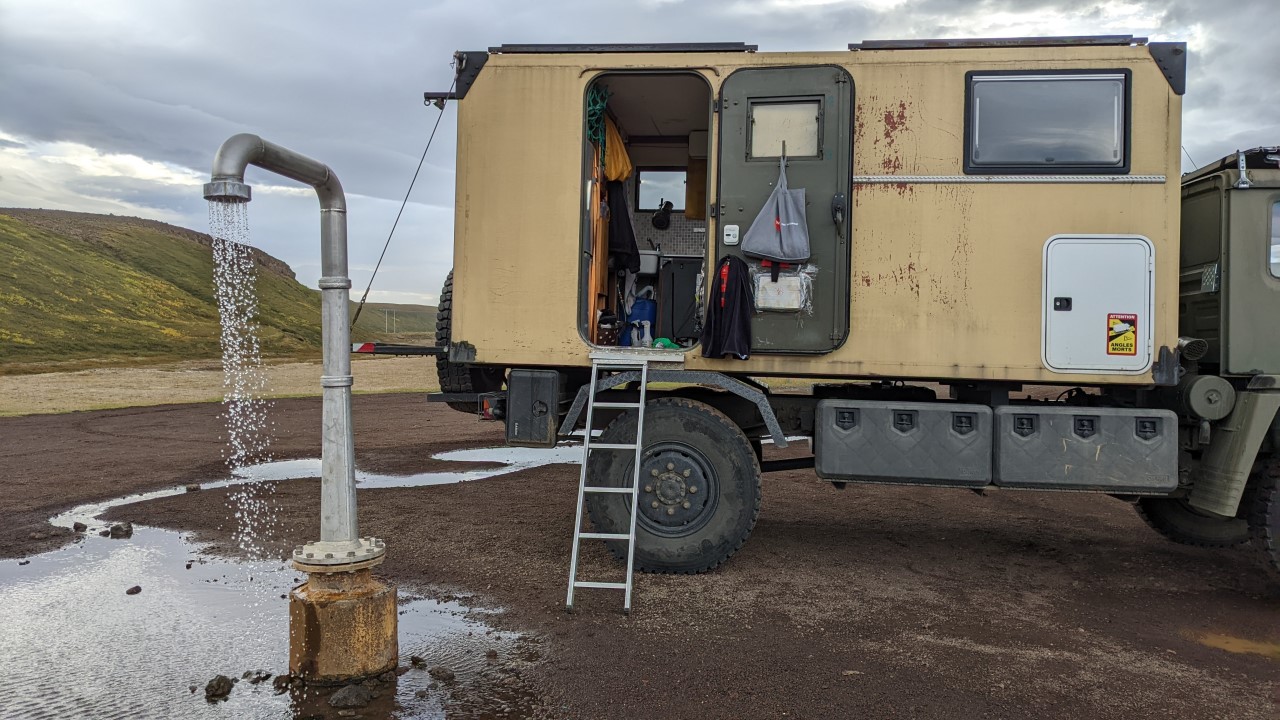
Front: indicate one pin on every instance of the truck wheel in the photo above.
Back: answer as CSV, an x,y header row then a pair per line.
x,y
1264,520
1181,523
699,487
455,378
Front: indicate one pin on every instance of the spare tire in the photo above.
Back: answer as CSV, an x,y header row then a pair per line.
x,y
459,377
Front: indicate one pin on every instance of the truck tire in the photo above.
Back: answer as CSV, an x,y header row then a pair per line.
x,y
454,377
1181,523
1264,519
700,472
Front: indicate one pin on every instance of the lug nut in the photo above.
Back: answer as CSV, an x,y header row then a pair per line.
x,y
671,466
693,488
686,504
671,511
686,473
653,473
648,488
655,503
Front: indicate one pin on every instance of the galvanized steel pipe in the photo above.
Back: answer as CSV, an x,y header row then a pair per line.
x,y
340,542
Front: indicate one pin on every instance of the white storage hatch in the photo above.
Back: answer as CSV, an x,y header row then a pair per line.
x,y
1098,304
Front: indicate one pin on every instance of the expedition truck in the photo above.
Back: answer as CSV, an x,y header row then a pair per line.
x,y
1008,282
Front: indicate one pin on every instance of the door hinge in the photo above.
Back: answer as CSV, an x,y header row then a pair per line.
x,y
715,106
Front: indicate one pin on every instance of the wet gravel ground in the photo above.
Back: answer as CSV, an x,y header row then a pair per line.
x,y
873,601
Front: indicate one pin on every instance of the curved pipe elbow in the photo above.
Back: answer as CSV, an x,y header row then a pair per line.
x,y
245,149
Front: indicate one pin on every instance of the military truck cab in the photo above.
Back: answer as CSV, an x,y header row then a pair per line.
x,y
1004,282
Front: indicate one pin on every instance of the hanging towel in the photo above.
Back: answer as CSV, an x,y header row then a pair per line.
x,y
617,163
780,231
729,308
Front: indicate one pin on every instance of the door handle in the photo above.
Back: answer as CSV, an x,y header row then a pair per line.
x,y
839,205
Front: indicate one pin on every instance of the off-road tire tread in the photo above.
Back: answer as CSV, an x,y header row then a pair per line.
x,y
1264,518
454,378
619,549
1183,536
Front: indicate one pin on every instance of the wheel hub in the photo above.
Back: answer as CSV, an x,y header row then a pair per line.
x,y
676,489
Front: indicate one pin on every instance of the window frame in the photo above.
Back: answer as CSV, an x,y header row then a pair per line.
x,y
662,168
752,102
1023,169
1273,234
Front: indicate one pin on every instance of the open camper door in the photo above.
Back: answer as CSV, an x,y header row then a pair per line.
x,y
808,109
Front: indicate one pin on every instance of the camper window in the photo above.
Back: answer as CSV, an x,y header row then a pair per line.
x,y
655,186
1047,122
793,125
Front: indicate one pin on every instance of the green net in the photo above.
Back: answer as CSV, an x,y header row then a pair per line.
x,y
597,99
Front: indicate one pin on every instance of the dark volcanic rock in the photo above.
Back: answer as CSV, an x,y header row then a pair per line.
x,y
441,673
24,562
417,661
194,487
218,688
281,683
105,533
79,526
256,676
351,696
133,590
121,531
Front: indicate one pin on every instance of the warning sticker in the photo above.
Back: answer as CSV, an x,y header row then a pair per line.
x,y
1122,334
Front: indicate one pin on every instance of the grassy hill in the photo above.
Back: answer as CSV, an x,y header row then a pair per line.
x,y
89,289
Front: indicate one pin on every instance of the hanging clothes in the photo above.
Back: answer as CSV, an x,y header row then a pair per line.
x,y
617,163
623,250
727,330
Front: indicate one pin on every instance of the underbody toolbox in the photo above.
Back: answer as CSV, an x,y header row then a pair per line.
x,y
929,443
1118,450
533,401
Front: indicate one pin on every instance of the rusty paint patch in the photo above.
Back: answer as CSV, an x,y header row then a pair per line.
x,y
895,121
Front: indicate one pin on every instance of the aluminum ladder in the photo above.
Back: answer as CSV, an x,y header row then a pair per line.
x,y
607,362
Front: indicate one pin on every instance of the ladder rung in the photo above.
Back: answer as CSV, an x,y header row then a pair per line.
x,y
608,489
613,446
630,364
617,404
604,536
601,585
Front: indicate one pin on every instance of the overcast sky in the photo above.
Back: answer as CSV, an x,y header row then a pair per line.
x,y
117,106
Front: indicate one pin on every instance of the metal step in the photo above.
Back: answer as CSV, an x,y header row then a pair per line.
x,y
613,446
616,405
626,490
604,536
600,585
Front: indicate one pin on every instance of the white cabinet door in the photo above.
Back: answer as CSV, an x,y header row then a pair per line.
x,y
1098,304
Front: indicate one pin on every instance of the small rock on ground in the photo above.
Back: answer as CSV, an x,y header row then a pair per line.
x,y
218,688
387,677
281,683
24,562
36,536
133,590
105,533
193,487
79,526
417,661
121,531
351,696
491,654
256,676
441,673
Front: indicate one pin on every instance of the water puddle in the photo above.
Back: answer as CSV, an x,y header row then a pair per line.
x,y
1234,644
79,645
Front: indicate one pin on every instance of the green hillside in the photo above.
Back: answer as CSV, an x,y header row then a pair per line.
x,y
102,289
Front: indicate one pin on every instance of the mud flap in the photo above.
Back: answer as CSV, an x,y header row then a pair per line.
x,y
1227,463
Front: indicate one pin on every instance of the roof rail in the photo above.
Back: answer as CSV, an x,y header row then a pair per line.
x,y
956,43
625,48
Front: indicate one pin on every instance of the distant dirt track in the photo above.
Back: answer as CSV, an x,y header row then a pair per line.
x,y
873,601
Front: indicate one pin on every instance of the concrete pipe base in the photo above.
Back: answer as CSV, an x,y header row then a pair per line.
x,y
342,627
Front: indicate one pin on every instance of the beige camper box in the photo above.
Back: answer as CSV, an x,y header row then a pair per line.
x,y
965,223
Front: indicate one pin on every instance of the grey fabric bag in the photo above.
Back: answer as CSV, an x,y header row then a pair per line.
x,y
780,232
